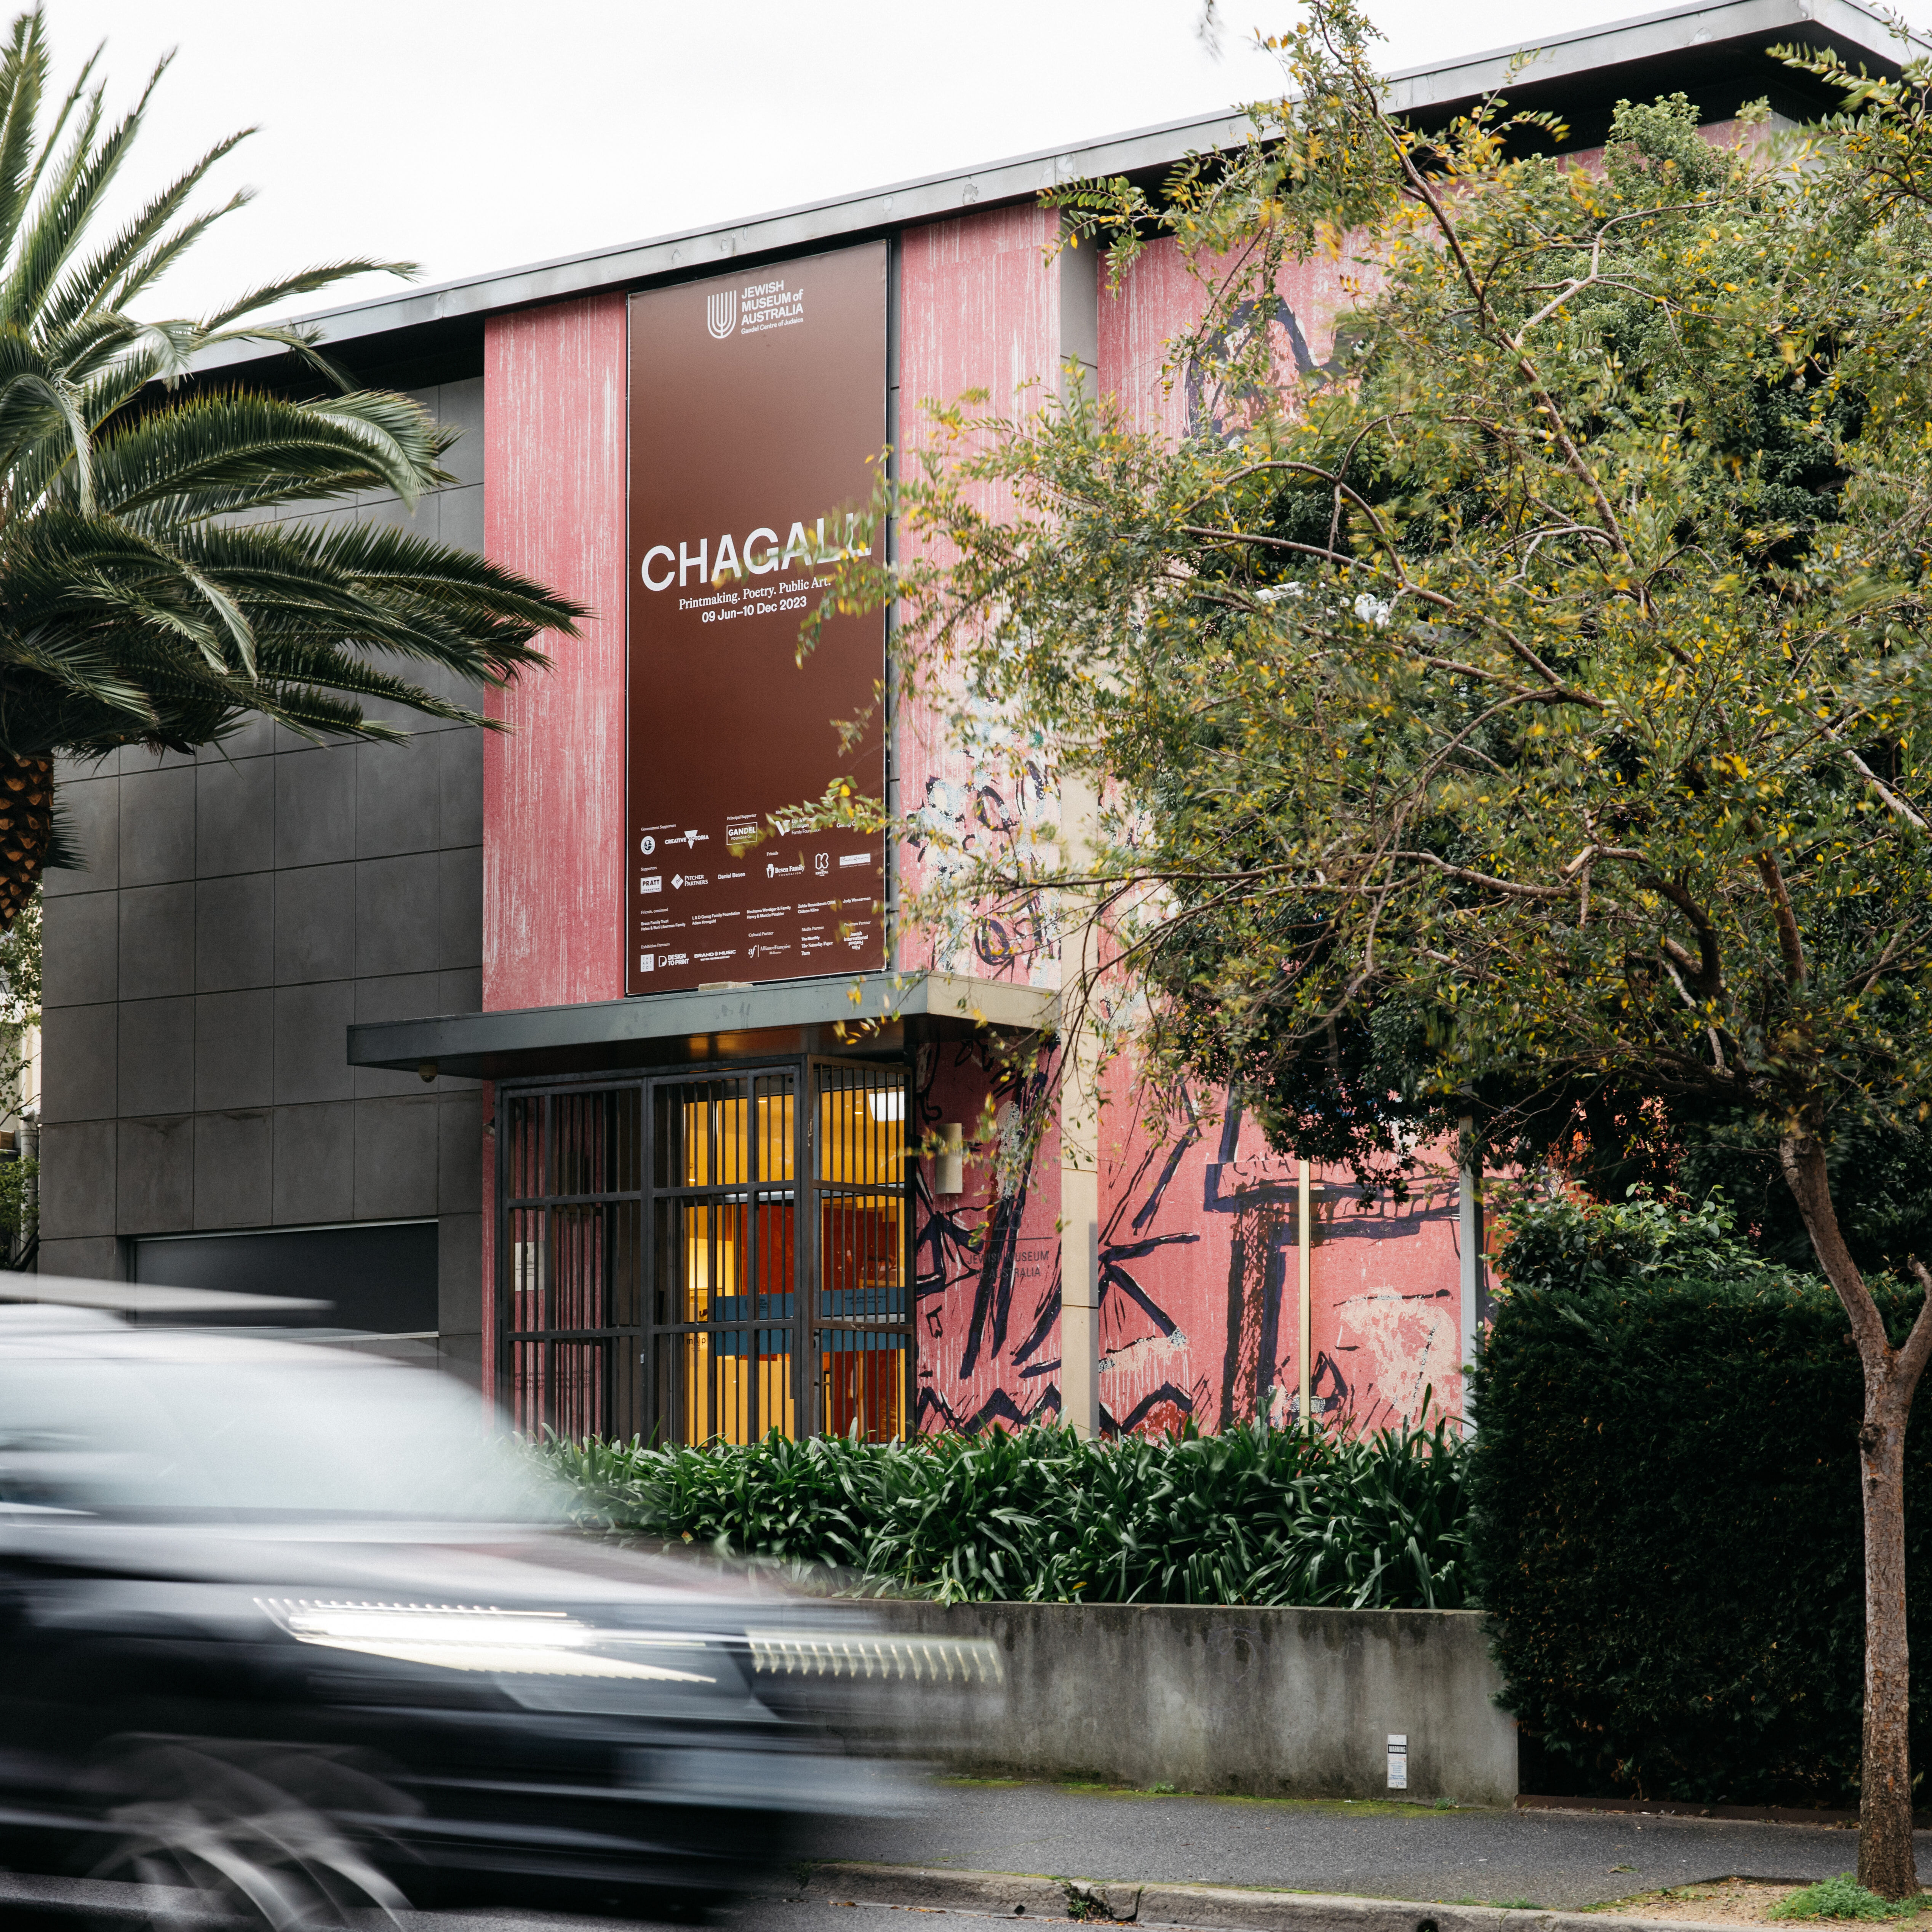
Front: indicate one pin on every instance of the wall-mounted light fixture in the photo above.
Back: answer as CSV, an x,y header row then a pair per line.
x,y
949,1170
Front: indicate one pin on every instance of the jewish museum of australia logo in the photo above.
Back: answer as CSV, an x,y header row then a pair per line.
x,y
721,313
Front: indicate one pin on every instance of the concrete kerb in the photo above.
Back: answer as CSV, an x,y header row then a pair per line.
x,y
1213,1908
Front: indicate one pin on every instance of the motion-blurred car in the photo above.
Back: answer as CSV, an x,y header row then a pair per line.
x,y
289,1628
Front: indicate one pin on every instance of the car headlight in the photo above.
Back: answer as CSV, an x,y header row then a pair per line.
x,y
470,1636
825,1653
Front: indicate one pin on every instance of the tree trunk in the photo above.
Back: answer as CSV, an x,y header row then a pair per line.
x,y
26,827
1886,1862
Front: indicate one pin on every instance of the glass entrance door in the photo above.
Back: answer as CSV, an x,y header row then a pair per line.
x,y
725,1261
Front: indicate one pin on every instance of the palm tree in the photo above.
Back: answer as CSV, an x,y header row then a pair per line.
x,y
141,602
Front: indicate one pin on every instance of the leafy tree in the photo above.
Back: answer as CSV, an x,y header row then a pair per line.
x,y
1534,704
142,601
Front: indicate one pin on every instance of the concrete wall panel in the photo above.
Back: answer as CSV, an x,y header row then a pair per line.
x,y
234,818
156,941
1277,1703
80,948
235,1049
234,1168
92,803
315,923
76,1180
154,1190
315,1162
235,932
156,823
81,1057
156,1060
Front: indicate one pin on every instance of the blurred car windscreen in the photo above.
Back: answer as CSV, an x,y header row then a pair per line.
x,y
255,1434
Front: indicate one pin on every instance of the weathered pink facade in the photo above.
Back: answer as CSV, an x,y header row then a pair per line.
x,y
1199,1316
553,783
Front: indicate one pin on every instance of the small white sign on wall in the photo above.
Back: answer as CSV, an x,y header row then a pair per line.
x,y
1398,1761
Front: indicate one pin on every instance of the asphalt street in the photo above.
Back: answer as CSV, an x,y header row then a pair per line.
x,y
1552,1859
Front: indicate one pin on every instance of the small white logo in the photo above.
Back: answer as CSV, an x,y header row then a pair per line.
x,y
821,863
645,963
853,858
677,882
647,844
655,884
720,314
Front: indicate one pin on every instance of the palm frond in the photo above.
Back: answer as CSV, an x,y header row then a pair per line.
x,y
88,288
23,69
324,275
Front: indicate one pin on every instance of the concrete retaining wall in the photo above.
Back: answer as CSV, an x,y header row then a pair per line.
x,y
1277,1702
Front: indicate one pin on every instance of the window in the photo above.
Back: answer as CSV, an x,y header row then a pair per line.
x,y
707,1258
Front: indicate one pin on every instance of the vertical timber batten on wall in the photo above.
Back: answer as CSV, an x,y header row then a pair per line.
x,y
1076,291
553,784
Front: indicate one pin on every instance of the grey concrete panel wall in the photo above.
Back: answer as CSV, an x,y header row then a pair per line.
x,y
1273,1702
236,911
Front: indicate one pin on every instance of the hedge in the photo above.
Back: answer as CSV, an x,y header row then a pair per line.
x,y
1666,1535
1037,1515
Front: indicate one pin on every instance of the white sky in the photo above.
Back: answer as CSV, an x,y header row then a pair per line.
x,y
471,135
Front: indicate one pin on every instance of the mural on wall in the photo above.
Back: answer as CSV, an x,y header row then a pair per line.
x,y
1200,1296
1199,1308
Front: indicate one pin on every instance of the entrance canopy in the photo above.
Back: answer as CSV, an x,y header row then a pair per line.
x,y
876,1013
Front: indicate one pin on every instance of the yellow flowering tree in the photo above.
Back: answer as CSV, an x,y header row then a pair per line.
x,y
1535,702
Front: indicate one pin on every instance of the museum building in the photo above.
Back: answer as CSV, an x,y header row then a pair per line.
x,y
510,1047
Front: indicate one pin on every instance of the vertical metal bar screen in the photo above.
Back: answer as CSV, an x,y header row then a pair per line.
x,y
707,1259
572,1189
861,1342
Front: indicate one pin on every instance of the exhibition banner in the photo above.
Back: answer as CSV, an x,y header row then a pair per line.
x,y
757,410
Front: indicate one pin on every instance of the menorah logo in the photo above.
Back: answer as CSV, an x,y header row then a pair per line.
x,y
720,314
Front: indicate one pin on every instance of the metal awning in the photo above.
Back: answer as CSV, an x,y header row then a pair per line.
x,y
877,1014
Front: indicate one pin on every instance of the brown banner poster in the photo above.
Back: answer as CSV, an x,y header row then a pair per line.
x,y
756,401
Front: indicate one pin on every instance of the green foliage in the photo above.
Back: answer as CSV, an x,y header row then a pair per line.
x,y
1665,1531
1881,1177
16,1177
20,970
1554,1239
1842,1898
1527,708
1037,1515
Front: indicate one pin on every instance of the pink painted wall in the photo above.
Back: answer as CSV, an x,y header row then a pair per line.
x,y
553,451
1199,1306
979,310
1200,1296
1159,299
1200,1300
554,785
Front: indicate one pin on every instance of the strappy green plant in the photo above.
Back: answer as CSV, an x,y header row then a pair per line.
x,y
1355,1519
154,589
